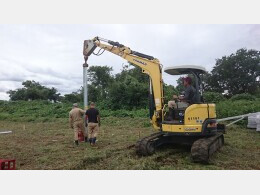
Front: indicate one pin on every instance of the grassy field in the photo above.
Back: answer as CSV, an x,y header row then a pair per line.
x,y
49,145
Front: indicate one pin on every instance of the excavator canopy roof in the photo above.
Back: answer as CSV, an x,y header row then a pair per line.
x,y
184,69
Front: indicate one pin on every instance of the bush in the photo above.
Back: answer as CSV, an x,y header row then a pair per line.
x,y
125,113
230,108
4,116
32,110
40,111
213,97
44,111
257,93
243,96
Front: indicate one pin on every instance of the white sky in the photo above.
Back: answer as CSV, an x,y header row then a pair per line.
x,y
52,54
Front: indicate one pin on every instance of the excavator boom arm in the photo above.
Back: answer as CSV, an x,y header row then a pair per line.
x,y
150,65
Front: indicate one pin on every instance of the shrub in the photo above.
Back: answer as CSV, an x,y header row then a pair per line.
x,y
38,111
45,120
213,97
125,113
4,116
233,108
243,96
257,93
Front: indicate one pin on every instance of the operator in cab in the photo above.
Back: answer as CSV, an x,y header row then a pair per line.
x,y
182,101
188,93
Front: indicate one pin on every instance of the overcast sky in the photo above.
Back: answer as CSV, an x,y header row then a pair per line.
x,y
52,54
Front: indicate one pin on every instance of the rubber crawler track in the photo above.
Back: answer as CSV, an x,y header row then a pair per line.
x,y
147,145
203,148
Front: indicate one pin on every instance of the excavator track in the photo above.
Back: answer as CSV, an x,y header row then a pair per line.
x,y
203,148
147,145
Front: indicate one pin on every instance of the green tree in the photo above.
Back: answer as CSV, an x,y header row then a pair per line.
x,y
128,94
237,73
73,97
100,78
19,94
134,71
53,94
32,90
94,94
130,89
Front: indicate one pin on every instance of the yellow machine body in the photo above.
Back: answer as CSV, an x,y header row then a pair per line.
x,y
194,117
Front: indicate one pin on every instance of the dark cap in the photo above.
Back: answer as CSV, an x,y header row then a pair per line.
x,y
188,80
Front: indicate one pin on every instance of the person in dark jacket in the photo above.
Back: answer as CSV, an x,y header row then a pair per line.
x,y
93,123
184,100
189,92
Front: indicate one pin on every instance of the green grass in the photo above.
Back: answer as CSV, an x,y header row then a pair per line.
x,y
47,142
49,145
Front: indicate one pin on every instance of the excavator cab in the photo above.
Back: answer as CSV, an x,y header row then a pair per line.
x,y
180,106
196,71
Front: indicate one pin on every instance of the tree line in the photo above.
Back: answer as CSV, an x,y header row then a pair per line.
x,y
238,73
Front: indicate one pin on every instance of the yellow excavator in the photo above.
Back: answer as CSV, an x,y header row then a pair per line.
x,y
194,124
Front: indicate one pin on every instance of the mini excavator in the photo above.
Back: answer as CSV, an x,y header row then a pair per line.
x,y
195,125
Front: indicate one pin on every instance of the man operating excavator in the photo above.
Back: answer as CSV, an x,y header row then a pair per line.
x,y
183,100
